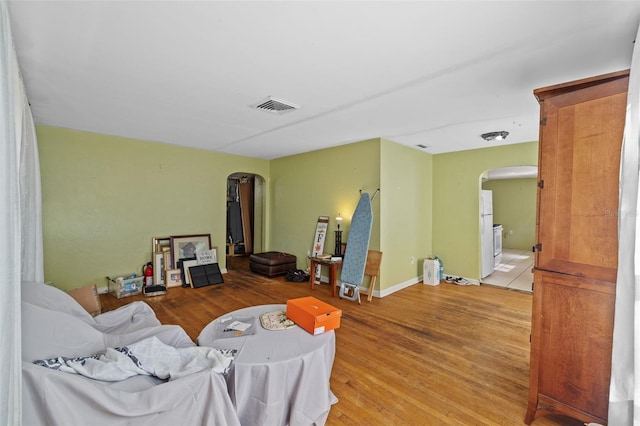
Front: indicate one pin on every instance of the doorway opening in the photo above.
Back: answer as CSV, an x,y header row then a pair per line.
x,y
245,215
506,259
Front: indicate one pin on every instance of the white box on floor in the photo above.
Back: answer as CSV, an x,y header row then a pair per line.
x,y
431,271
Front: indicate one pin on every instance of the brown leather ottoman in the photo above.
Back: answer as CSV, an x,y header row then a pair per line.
x,y
272,263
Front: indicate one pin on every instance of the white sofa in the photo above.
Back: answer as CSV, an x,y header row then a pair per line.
x,y
55,325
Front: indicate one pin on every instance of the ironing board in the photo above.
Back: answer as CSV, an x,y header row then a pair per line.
x,y
355,258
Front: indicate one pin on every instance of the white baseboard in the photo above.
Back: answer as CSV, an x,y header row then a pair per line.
x,y
387,291
413,281
397,287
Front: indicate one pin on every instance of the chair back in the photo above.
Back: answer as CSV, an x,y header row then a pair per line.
x,y
372,267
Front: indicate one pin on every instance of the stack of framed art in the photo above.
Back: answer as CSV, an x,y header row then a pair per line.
x,y
185,260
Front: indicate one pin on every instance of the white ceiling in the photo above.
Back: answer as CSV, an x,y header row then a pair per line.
x,y
419,72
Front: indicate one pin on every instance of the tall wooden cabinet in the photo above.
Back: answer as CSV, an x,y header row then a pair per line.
x,y
576,252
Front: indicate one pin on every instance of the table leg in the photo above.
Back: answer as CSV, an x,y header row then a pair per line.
x,y
332,278
312,274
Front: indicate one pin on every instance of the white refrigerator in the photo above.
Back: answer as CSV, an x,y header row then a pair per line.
x,y
486,232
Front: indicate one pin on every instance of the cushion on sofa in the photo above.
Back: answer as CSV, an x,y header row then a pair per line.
x,y
172,335
130,317
50,297
47,334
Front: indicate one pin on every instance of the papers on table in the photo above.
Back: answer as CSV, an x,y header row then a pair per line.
x,y
235,326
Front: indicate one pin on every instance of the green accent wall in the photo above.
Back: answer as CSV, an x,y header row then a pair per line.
x,y
456,201
104,198
514,206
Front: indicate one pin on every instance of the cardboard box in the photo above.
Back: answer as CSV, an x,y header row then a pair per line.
x,y
313,315
431,271
125,285
88,298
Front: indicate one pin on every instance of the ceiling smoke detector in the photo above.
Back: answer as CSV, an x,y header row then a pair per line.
x,y
495,136
275,106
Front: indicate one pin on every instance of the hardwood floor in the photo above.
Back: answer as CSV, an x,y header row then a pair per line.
x,y
444,355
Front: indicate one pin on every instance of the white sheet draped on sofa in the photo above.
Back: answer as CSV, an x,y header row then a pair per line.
x,y
20,218
624,401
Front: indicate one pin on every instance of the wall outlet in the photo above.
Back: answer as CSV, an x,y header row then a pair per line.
x,y
413,260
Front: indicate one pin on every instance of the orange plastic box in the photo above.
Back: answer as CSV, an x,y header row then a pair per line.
x,y
313,315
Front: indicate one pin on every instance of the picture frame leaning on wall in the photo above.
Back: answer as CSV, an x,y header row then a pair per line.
x,y
158,267
186,246
160,244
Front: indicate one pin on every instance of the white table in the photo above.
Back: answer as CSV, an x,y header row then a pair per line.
x,y
278,377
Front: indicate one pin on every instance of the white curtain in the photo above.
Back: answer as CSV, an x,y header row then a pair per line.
x,y
624,401
20,218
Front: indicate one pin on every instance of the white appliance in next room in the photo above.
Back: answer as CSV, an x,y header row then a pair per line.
x,y
486,233
497,244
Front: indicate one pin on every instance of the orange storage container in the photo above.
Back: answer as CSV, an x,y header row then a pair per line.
x,y
313,315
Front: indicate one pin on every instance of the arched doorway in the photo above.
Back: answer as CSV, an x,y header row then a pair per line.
x,y
507,234
245,214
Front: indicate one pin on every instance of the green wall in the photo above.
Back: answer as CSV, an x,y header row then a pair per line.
x,y
328,182
406,204
456,201
322,183
514,206
104,199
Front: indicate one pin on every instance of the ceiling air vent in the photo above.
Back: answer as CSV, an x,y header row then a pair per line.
x,y
275,106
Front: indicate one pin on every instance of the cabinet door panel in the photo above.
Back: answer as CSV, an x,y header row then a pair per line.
x,y
579,164
575,332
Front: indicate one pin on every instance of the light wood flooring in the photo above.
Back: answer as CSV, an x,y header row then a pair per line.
x,y
443,355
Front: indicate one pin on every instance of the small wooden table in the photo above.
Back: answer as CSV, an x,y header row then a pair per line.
x,y
333,271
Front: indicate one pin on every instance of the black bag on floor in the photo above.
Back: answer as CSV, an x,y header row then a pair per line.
x,y
296,275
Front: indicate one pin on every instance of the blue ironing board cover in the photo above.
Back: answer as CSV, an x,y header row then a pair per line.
x,y
355,258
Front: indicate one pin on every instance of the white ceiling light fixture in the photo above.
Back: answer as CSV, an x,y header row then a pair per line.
x,y
495,136
275,106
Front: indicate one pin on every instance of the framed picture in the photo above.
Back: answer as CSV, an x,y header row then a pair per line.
x,y
186,246
185,264
206,257
158,267
173,278
168,261
160,244
203,275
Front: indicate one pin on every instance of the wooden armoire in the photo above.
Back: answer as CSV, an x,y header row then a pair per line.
x,y
576,251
